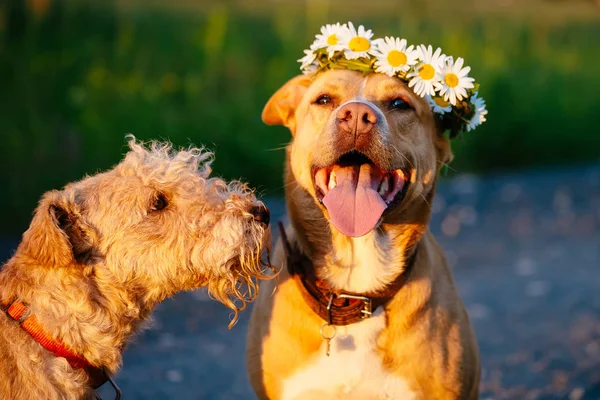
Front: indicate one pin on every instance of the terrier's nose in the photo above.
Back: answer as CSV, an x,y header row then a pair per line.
x,y
261,214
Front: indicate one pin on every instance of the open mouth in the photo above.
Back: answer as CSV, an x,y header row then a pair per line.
x,y
356,192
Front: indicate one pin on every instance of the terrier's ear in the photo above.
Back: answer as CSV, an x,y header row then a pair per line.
x,y
57,235
281,107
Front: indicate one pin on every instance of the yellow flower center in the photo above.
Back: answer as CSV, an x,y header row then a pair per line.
x,y
396,58
332,40
359,44
426,72
441,102
451,80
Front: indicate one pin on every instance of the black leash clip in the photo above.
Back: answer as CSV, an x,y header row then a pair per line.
x,y
110,380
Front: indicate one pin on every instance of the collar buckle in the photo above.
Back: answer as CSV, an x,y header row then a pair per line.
x,y
367,310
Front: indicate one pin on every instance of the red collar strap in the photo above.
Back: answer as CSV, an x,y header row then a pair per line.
x,y
18,311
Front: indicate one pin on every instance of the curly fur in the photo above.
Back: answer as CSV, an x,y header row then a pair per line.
x,y
98,256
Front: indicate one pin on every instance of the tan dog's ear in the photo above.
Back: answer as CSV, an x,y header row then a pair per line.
x,y
445,151
281,107
442,146
57,235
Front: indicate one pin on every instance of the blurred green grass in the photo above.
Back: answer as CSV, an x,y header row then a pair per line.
x,y
76,76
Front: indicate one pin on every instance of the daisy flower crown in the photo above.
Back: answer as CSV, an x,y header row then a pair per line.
x,y
445,83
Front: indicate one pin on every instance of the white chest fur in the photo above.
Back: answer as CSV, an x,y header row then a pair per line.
x,y
353,370
365,264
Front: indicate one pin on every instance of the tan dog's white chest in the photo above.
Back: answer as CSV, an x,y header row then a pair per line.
x,y
365,264
353,370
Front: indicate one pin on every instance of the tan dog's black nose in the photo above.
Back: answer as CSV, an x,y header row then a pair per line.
x,y
261,214
356,118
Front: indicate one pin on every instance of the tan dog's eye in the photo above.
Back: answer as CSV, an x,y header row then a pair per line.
x,y
399,104
323,99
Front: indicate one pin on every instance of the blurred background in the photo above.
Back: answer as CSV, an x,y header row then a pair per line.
x,y
76,76
518,213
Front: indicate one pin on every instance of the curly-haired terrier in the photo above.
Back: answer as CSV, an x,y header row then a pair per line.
x,y
100,254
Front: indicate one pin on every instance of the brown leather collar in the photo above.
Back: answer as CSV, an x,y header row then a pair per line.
x,y
337,307
18,311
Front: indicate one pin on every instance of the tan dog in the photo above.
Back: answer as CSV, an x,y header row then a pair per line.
x,y
100,254
360,177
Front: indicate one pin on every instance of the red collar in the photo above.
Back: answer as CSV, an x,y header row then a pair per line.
x,y
18,311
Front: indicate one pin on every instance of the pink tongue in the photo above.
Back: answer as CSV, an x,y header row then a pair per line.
x,y
354,205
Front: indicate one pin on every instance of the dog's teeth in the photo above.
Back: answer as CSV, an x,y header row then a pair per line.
x,y
400,173
332,180
384,188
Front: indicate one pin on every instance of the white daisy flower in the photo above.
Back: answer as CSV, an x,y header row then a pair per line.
x,y
439,105
427,72
454,80
480,112
330,38
357,43
308,61
311,68
393,56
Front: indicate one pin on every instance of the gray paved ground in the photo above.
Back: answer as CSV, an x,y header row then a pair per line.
x,y
525,251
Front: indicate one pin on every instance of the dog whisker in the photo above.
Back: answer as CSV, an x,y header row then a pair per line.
x,y
283,147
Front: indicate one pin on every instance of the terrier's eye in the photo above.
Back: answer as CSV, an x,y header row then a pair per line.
x,y
399,104
159,203
323,99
